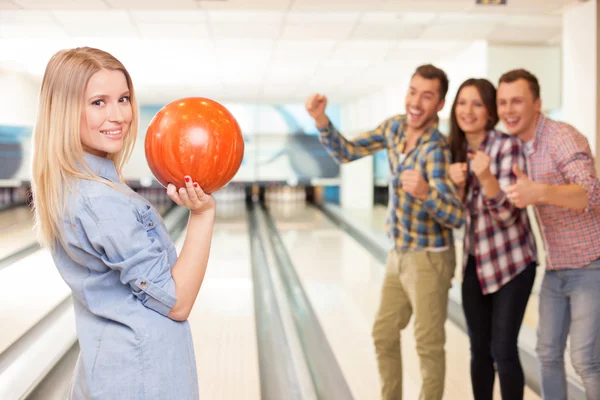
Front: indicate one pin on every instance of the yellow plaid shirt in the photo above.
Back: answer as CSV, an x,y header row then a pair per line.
x,y
412,223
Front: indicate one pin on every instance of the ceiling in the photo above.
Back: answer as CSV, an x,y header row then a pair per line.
x,y
267,50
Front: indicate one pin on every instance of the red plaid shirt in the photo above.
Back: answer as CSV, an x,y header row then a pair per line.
x,y
560,155
504,244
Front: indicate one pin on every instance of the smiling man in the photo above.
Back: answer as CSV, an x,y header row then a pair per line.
x,y
564,188
424,207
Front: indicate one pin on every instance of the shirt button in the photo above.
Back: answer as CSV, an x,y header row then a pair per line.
x,y
143,283
151,224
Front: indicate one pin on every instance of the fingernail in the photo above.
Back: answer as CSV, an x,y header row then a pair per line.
x,y
195,184
187,178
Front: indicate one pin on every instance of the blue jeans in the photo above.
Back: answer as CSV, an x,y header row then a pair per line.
x,y
570,304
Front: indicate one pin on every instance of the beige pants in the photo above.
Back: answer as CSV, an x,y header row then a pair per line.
x,y
416,282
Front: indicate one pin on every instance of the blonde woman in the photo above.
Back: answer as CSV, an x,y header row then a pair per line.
x,y
131,293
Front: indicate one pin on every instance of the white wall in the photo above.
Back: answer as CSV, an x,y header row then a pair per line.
x,y
470,63
18,98
356,188
542,61
580,63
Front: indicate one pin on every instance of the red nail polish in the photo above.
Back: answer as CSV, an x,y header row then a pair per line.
x,y
187,179
195,184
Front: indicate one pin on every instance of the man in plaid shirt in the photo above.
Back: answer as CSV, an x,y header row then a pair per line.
x,y
424,207
564,188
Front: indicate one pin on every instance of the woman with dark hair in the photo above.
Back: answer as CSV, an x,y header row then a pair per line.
x,y
499,254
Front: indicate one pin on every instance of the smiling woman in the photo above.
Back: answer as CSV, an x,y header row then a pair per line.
x,y
67,119
131,291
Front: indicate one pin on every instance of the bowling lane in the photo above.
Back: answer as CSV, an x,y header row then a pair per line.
x,y
14,216
222,321
343,282
16,230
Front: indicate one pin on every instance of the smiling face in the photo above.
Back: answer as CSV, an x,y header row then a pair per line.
x,y
423,102
107,113
471,113
518,108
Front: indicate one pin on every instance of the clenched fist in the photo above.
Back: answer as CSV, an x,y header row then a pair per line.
x,y
458,174
480,164
414,184
315,106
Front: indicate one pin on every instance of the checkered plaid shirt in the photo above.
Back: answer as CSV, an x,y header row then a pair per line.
x,y
560,155
503,242
412,223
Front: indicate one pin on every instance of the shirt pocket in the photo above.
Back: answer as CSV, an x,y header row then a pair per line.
x,y
147,218
154,226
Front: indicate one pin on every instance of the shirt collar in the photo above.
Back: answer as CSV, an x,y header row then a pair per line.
x,y
101,166
489,138
424,137
539,130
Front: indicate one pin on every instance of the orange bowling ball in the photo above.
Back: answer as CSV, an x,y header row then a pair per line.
x,y
194,136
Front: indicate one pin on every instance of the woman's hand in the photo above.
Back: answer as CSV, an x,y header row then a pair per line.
x,y
458,174
480,164
191,196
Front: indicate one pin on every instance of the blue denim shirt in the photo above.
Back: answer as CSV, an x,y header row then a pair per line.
x,y
119,269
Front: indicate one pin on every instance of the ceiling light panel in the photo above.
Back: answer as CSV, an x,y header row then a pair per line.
x,y
249,30
333,31
153,4
337,5
444,6
261,17
93,23
25,17
287,50
362,49
31,31
466,31
174,31
236,5
61,4
169,17
8,5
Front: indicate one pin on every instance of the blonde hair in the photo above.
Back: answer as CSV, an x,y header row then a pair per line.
x,y
58,155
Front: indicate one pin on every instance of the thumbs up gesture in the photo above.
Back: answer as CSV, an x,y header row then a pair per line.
x,y
524,192
518,173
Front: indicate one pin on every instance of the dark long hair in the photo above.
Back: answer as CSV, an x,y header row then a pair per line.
x,y
458,140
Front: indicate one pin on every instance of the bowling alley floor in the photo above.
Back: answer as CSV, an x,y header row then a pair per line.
x,y
16,230
343,281
222,321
